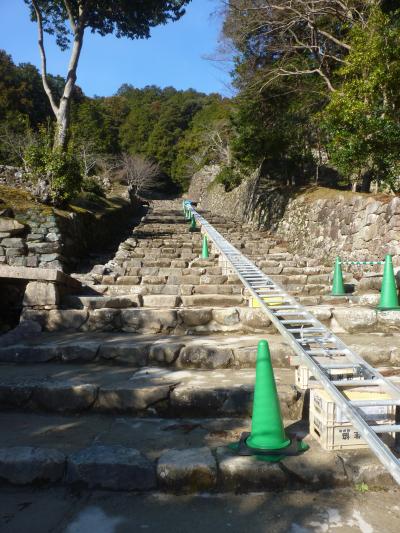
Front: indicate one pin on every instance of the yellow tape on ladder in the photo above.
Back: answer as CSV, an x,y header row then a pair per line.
x,y
269,300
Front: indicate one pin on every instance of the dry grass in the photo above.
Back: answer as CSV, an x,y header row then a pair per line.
x,y
20,200
312,194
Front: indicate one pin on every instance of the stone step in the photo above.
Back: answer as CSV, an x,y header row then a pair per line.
x,y
211,351
202,351
215,315
174,455
177,290
217,300
147,391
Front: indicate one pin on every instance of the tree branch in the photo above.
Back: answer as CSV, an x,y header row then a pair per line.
x,y
70,15
333,39
45,82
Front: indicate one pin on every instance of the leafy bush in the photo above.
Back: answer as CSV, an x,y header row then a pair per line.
x,y
93,186
229,177
60,169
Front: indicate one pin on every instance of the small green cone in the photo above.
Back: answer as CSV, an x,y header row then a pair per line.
x,y
193,226
267,431
267,440
389,299
204,251
338,285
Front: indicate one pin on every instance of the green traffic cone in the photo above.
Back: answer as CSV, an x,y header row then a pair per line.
x,y
267,431
389,299
338,285
204,252
267,440
193,226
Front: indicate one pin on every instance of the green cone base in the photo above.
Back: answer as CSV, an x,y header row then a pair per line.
x,y
293,448
379,308
285,444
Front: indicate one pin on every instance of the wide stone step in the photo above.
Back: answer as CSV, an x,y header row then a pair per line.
x,y
212,351
219,300
147,391
174,455
176,290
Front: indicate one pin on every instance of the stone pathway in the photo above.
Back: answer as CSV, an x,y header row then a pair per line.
x,y
58,510
141,381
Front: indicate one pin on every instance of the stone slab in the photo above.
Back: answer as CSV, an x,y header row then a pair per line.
x,y
73,388
111,467
243,474
38,274
21,465
189,470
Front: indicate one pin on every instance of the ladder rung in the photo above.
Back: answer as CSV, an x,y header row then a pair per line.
x,y
280,307
271,294
290,313
386,428
322,351
274,292
297,321
357,382
338,366
283,307
306,330
374,403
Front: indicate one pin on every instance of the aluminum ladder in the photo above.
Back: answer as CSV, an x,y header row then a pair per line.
x,y
318,348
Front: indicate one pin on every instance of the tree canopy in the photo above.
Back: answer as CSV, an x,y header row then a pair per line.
x,y
68,20
316,89
316,99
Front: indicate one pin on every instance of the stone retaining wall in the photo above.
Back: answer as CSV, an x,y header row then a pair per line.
x,y
353,226
317,223
48,238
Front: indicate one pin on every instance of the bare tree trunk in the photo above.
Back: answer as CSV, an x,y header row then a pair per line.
x,y
62,111
63,115
366,182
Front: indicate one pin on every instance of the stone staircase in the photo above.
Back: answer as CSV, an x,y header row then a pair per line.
x,y
141,380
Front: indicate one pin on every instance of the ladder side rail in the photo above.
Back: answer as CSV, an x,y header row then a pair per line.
x,y
382,452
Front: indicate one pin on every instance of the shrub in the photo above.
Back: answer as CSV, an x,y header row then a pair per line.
x,y
93,186
229,177
60,169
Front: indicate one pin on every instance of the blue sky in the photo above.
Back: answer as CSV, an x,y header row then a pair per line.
x,y
173,56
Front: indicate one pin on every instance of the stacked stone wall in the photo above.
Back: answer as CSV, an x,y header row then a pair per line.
x,y
47,239
319,223
355,227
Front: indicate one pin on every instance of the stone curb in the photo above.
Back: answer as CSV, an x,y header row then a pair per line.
x,y
190,470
